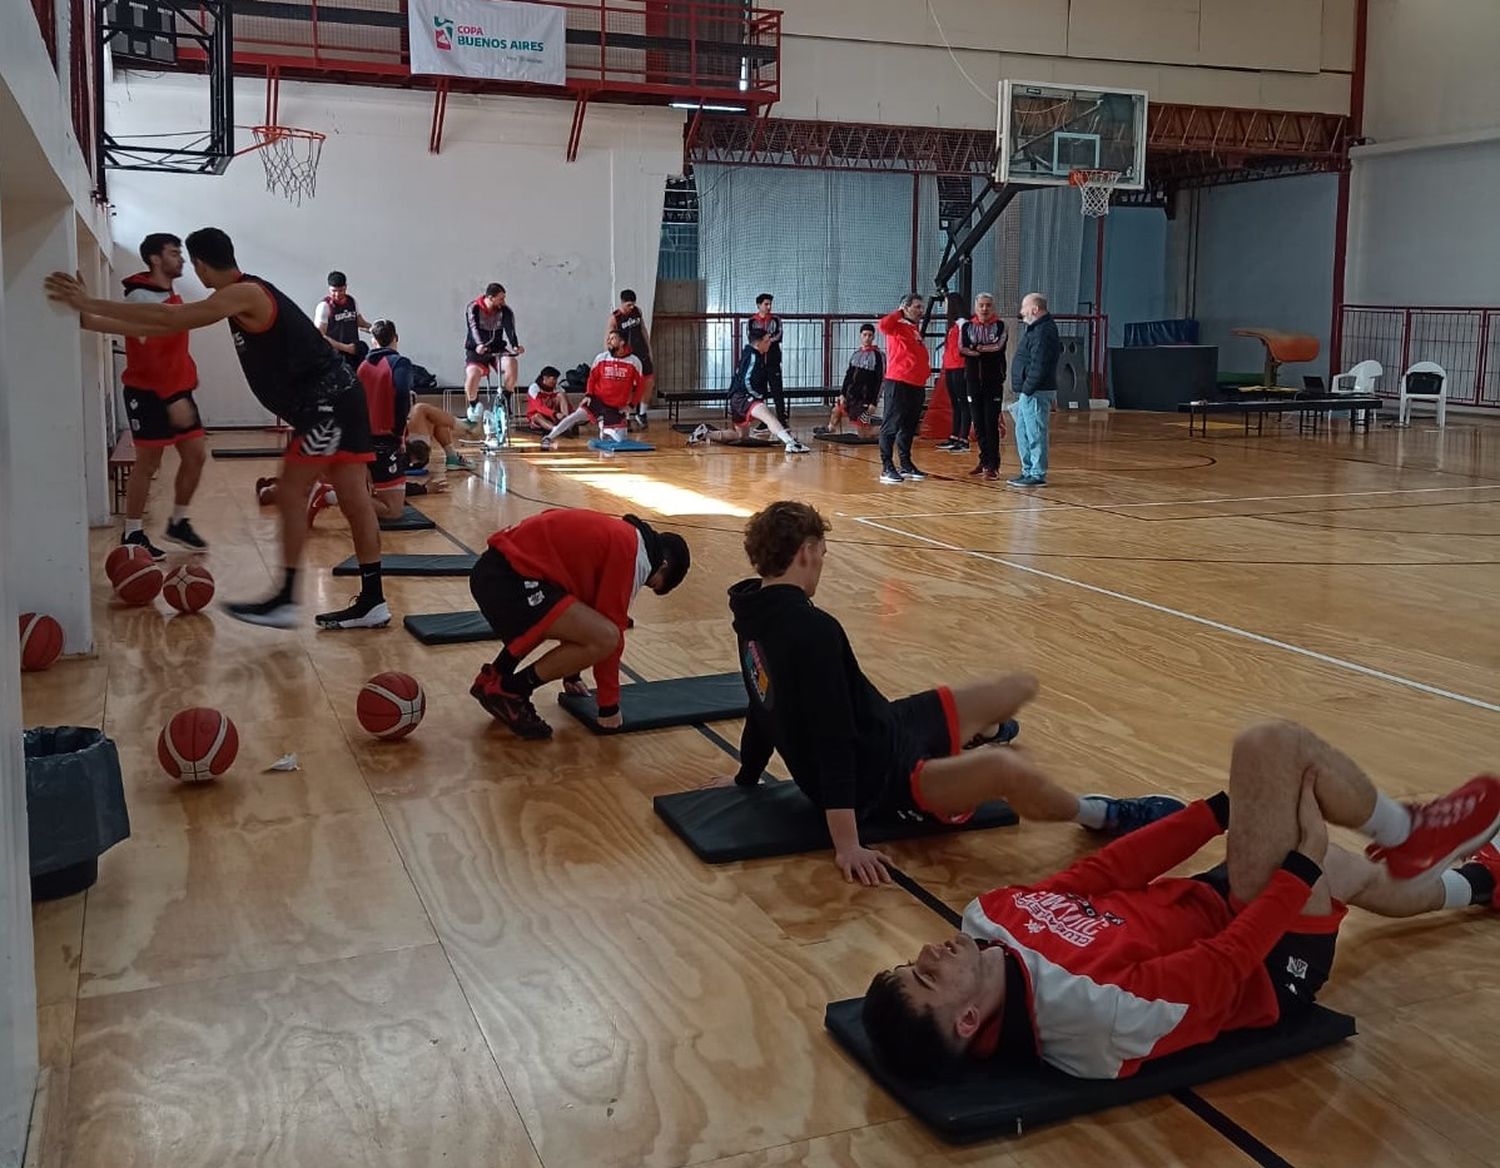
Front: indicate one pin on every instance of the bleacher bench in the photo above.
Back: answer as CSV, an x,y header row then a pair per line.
x,y
1309,410
720,397
121,461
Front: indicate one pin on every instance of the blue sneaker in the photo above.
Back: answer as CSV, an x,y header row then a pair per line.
x,y
1004,734
1123,816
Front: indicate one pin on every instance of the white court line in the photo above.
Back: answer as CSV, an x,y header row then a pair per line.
x,y
1258,638
1180,502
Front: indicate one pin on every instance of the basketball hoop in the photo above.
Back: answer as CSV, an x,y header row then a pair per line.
x,y
290,157
1096,186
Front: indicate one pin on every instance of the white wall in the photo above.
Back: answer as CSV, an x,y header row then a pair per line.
x,y
1265,260
419,234
1422,228
886,60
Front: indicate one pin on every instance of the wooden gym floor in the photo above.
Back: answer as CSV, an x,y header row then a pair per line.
x,y
466,950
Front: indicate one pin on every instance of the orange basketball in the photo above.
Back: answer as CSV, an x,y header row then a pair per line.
x,y
189,588
138,582
123,559
197,745
41,640
391,705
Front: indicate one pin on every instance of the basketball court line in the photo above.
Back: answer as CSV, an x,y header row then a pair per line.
x,y
1218,626
1173,502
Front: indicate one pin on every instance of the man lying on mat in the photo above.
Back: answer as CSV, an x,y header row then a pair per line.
x,y
1109,964
567,576
855,754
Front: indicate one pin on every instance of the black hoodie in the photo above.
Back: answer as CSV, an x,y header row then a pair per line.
x,y
809,701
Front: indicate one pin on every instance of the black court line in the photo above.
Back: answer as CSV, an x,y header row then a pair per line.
x,y
453,539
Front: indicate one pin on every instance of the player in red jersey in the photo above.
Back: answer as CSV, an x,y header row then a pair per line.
x,y
613,390
1110,964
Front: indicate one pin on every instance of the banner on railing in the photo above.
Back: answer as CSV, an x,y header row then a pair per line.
x,y
480,38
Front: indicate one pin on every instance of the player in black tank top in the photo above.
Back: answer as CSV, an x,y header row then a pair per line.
x,y
295,374
631,324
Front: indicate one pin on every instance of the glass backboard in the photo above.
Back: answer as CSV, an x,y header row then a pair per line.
x,y
1047,131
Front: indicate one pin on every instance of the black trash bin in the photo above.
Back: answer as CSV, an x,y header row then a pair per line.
x,y
75,807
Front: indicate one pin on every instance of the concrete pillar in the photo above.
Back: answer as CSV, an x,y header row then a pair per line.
x,y
96,384
18,1036
49,571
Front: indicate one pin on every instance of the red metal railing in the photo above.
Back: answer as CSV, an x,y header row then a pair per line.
x,y
696,352
1464,341
46,21
693,50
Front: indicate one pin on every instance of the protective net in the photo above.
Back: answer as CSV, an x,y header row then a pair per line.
x,y
1095,186
290,157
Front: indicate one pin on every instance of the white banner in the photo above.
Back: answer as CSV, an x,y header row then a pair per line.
x,y
492,39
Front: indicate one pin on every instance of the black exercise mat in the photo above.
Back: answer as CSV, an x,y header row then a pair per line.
x,y
722,824
248,451
984,1101
849,439
431,565
410,520
449,628
679,701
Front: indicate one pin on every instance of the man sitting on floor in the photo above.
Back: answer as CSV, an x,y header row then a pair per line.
x,y
1109,964
861,388
567,576
545,403
856,755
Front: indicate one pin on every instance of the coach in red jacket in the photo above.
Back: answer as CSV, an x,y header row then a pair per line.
x,y
907,367
1109,964
567,576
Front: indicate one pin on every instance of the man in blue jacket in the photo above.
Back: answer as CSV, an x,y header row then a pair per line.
x,y
1034,375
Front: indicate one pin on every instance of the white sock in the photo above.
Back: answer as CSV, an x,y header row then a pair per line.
x,y
332,497
1457,891
1389,824
132,526
179,513
1093,812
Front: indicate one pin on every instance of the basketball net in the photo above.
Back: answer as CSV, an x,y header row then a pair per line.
x,y
290,157
1095,186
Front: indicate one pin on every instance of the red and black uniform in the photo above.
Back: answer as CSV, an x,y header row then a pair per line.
x,y
541,407
984,378
293,373
343,327
494,328
907,366
632,326
750,384
1119,965
614,385
843,743
954,379
770,326
159,371
534,572
386,376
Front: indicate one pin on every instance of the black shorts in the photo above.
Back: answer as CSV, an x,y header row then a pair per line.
x,y
519,610
858,406
388,471
151,417
1300,962
335,426
741,402
605,414
647,367
926,726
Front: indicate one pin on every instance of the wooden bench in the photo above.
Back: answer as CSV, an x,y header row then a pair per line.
x,y
708,397
1307,408
121,462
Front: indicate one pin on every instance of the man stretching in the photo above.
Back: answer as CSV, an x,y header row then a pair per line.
x,y
489,341
295,375
907,367
386,376
159,380
614,387
747,403
567,576
1111,964
339,320
861,388
857,756
631,324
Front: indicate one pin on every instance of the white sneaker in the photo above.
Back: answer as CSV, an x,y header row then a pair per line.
x,y
700,434
356,616
795,447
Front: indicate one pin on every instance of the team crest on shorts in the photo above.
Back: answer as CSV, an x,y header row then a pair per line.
x,y
755,669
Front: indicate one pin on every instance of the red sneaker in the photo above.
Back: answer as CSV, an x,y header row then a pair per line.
x,y
516,712
317,500
1489,858
1449,827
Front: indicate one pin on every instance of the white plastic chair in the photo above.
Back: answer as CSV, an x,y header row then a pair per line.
x,y
1439,399
1360,380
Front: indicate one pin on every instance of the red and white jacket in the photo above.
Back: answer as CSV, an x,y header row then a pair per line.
x,y
1122,967
615,381
160,365
906,357
594,558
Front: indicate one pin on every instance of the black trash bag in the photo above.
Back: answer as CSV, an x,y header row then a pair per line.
x,y
75,806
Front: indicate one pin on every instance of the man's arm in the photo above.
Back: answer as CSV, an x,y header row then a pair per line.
x,y
234,300
508,327
890,322
756,748
364,325
401,380
471,322
102,324
963,344
1133,861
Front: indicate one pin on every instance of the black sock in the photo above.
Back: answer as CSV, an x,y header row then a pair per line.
x,y
369,582
1480,880
505,663
525,683
288,593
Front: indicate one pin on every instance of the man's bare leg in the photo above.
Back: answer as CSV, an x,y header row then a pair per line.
x,y
473,374
138,486
192,455
389,503
984,706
